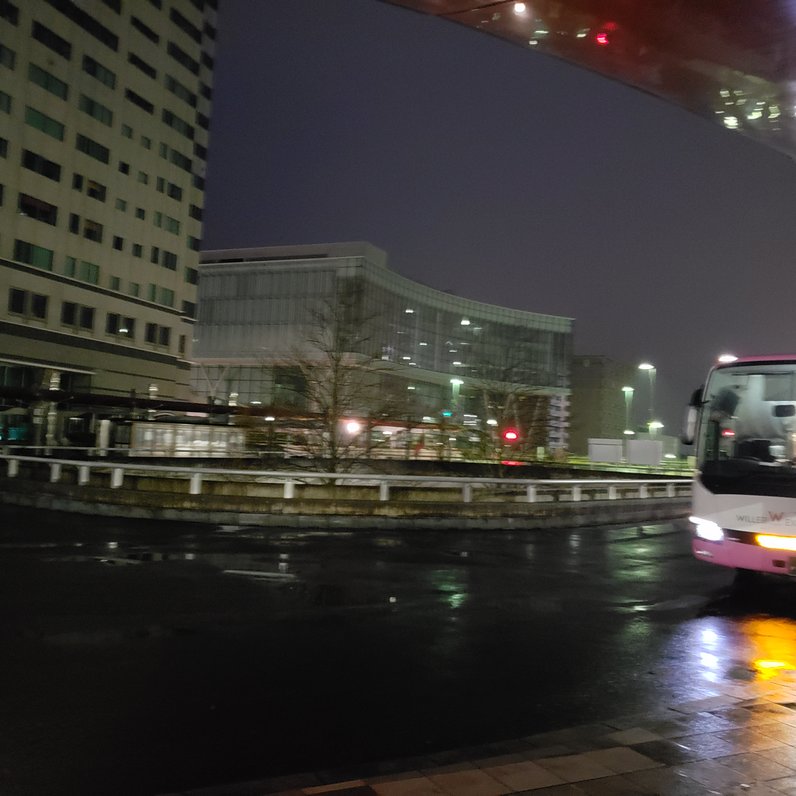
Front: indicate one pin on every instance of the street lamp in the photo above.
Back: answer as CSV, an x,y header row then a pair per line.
x,y
654,427
628,391
455,385
651,371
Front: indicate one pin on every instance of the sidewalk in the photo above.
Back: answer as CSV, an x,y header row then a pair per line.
x,y
741,741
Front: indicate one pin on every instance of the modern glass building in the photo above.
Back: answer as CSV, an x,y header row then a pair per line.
x,y
104,124
436,354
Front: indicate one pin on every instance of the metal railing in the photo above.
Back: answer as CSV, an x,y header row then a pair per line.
x,y
374,486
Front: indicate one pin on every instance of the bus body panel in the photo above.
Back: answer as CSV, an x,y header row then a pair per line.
x,y
742,517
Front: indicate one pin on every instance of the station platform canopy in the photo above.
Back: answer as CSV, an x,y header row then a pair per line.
x,y
729,61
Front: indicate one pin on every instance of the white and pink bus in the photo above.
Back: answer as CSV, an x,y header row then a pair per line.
x,y
743,422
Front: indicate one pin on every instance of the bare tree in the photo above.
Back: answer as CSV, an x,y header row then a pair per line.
x,y
497,381
337,379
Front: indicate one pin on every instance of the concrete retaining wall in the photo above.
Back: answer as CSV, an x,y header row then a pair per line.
x,y
317,506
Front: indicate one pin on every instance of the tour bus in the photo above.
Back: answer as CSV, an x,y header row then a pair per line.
x,y
743,421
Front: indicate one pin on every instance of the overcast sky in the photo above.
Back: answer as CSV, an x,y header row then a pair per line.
x,y
504,176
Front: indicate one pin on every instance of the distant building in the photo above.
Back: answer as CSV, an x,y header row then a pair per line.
x,y
104,117
439,355
598,404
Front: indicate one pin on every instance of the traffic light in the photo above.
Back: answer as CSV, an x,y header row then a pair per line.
x,y
511,435
603,35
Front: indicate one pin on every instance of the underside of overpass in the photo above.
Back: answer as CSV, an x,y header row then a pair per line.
x,y
731,62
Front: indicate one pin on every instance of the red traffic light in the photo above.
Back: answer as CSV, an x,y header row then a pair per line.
x,y
511,435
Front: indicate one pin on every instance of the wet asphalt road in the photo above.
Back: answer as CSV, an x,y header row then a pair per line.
x,y
141,658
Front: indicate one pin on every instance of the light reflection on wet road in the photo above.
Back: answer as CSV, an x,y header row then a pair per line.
x,y
142,658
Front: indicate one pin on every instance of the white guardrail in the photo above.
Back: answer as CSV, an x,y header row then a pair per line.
x,y
535,490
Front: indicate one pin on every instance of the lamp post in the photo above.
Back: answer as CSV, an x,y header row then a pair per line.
x,y
651,371
628,391
455,387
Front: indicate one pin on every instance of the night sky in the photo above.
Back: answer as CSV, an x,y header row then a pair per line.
x,y
504,176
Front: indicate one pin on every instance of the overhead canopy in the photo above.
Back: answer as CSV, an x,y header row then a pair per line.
x,y
730,61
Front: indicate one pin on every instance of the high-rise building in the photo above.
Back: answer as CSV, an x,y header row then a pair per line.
x,y
104,120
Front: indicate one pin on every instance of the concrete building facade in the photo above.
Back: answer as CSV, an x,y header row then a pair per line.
x,y
599,407
104,125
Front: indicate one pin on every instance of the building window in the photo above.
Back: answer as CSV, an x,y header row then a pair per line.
x,y
195,212
194,243
86,318
124,168
70,266
181,57
151,333
44,123
77,182
74,223
92,149
32,305
167,296
169,260
92,230
140,212
7,57
138,100
9,12
69,313
192,275
3,147
164,336
47,81
181,22
180,125
96,110
39,164
17,300
174,191
88,22
98,71
154,255
172,225
177,88
140,63
143,178
146,142
127,131
145,29
189,309
121,204
88,272
138,250
114,283
50,39
37,256
135,289
38,306
37,209
96,190
118,243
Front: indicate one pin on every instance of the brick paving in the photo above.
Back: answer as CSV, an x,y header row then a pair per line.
x,y
740,741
